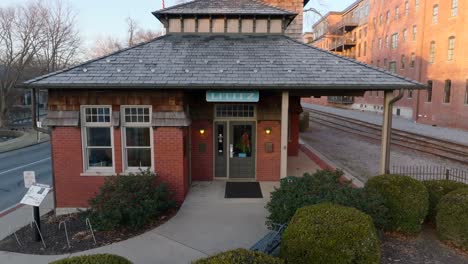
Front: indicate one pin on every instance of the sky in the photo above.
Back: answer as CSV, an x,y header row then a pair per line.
x,y
102,18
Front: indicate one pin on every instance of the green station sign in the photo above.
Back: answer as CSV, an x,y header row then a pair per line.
x,y
233,96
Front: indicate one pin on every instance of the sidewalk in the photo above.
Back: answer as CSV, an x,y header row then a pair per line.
x,y
205,224
450,134
20,215
29,138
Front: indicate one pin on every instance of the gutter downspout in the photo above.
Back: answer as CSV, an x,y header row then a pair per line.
x,y
35,114
389,101
45,131
423,30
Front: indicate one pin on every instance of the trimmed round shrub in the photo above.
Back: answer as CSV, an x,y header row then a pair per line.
x,y
323,186
365,200
328,233
296,192
129,201
437,189
406,199
452,218
240,256
94,259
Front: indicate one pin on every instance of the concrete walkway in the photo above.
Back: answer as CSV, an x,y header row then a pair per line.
x,y
205,224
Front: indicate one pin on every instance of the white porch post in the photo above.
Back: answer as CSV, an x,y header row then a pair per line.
x,y
284,134
386,132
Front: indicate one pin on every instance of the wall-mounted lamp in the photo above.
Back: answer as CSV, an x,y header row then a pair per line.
x,y
268,131
202,131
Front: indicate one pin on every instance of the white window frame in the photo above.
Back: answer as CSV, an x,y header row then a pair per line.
x,y
124,125
96,171
254,117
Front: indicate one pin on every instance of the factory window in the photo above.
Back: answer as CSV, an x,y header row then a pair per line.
x,y
447,91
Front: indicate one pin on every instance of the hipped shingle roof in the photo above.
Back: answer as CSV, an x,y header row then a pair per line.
x,y
182,61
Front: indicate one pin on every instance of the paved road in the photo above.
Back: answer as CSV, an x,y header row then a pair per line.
x,y
12,164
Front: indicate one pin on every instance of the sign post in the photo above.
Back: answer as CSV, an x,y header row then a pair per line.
x,y
39,124
34,197
37,219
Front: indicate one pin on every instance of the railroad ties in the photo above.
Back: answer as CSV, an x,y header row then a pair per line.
x,y
426,144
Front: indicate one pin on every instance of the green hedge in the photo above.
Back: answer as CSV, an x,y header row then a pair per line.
x,y
240,256
328,233
452,218
406,198
129,201
94,259
437,189
323,186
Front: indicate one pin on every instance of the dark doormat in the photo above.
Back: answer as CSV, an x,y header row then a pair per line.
x,y
243,190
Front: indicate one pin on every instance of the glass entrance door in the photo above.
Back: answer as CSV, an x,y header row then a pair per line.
x,y
242,150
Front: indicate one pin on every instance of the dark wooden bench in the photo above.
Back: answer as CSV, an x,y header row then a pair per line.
x,y
270,243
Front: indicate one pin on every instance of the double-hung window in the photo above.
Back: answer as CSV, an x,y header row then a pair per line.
x,y
435,14
137,138
395,41
97,139
432,50
454,11
451,48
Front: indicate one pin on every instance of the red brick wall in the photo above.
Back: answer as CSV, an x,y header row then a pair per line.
x,y
169,159
293,144
312,100
436,112
268,164
202,162
73,190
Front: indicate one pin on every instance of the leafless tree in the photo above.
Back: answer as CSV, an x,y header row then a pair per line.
x,y
135,35
105,46
35,37
132,27
62,38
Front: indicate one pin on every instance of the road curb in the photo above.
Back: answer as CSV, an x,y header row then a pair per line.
x,y
23,147
10,209
15,207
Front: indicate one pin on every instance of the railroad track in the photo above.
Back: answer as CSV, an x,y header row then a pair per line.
x,y
426,144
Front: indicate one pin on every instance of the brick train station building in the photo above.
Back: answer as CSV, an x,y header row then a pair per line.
x,y
424,40
216,98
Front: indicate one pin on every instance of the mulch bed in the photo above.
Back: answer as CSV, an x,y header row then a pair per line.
x,y
425,248
79,235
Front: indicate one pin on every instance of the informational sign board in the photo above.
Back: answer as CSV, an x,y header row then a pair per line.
x,y
233,96
29,178
35,194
